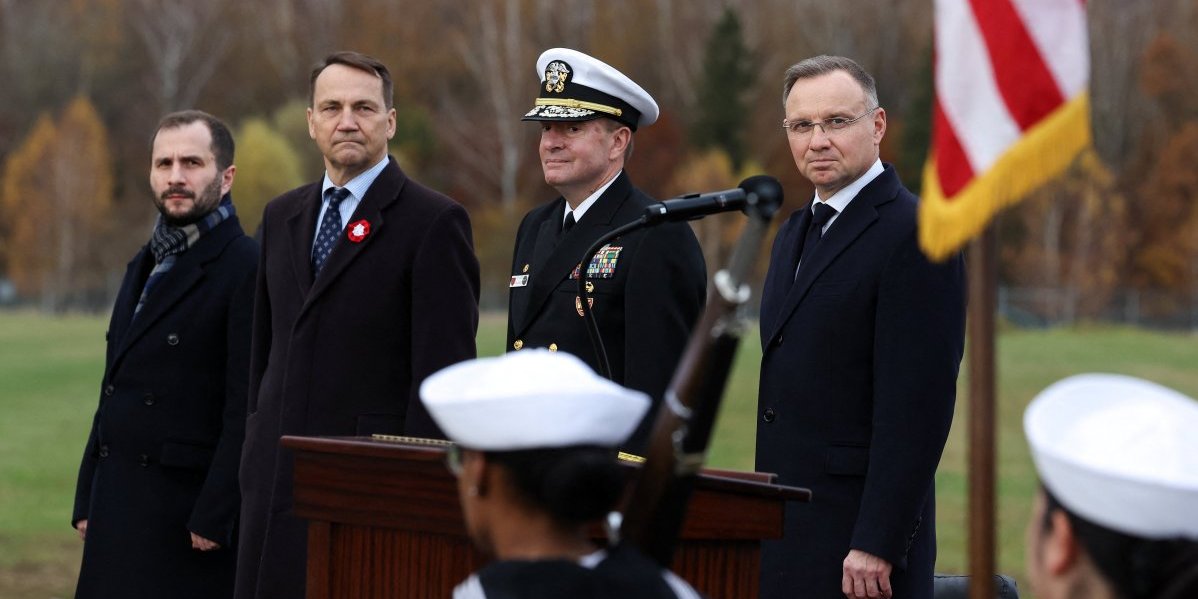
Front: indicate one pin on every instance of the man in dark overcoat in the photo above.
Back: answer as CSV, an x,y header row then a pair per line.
x,y
157,499
862,338
368,283
646,288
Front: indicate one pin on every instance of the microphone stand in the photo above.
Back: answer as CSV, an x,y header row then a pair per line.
x,y
654,510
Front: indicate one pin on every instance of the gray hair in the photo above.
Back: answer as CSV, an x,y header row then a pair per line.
x,y
824,64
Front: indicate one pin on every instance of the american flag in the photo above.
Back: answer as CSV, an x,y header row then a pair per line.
x,y
1011,110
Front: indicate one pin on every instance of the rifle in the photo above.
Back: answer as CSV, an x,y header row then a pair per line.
x,y
653,513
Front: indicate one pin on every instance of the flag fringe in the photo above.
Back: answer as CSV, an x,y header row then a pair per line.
x,y
1047,149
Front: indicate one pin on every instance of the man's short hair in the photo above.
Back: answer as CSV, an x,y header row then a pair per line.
x,y
824,64
222,139
354,60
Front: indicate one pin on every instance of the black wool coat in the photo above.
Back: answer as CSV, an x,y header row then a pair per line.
x,y
162,456
858,381
646,299
344,353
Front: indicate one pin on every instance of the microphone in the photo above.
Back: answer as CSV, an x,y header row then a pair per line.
x,y
763,196
759,189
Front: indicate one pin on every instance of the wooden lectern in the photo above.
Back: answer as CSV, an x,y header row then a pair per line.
x,y
384,522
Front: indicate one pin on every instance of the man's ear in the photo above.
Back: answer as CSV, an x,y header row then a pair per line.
x,y
226,179
621,138
1061,549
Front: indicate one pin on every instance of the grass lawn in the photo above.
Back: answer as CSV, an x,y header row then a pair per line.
x,y
50,370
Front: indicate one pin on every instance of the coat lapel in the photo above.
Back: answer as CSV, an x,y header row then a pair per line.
x,y
780,277
187,272
860,214
301,227
382,193
567,254
543,246
122,311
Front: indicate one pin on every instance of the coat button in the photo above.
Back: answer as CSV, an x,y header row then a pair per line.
x,y
172,339
103,451
143,460
777,342
108,390
552,347
768,415
148,399
518,344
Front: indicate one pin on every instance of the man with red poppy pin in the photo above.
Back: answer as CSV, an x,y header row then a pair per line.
x,y
368,283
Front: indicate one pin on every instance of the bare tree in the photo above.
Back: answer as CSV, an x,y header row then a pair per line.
x,y
1118,108
492,47
185,42
297,30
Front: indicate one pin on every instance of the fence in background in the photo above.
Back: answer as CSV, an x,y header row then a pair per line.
x,y
1037,307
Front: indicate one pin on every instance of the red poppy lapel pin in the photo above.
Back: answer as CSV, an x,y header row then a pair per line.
x,y
357,231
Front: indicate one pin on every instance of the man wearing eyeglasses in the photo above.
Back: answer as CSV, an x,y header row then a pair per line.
x,y
862,338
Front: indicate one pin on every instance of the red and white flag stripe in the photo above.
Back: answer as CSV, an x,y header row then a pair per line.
x,y
1008,72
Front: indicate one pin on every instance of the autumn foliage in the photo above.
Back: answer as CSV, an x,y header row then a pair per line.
x,y
85,81
56,200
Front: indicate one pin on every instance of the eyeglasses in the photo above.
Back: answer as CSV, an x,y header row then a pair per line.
x,y
453,459
835,123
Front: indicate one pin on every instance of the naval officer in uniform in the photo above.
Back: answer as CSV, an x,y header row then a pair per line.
x,y
1117,512
646,288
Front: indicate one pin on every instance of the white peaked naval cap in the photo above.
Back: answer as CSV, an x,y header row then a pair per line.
x,y
579,87
1120,452
528,400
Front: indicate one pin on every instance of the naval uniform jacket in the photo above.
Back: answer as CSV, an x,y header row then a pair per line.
x,y
858,381
344,352
649,289
165,442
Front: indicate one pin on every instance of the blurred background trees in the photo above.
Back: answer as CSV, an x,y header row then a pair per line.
x,y
85,81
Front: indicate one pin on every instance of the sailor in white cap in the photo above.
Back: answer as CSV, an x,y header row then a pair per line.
x,y
647,288
1117,515
533,435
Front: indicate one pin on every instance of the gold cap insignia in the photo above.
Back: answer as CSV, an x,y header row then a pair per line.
x,y
556,75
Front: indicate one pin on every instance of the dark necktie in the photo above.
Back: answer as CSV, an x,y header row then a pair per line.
x,y
819,217
568,223
330,228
